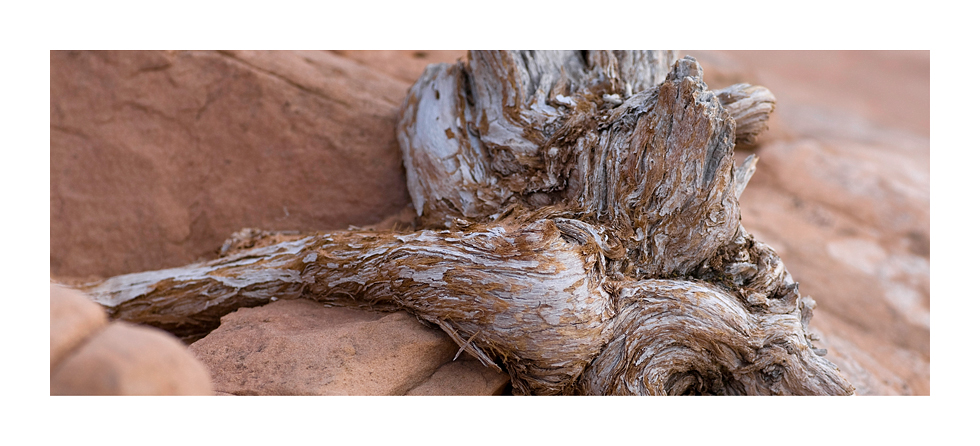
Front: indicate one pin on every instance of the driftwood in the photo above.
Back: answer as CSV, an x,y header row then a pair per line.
x,y
581,230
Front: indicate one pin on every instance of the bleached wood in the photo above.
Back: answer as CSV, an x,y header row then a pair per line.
x,y
583,234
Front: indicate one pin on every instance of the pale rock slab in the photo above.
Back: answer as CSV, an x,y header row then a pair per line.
x,y
74,319
126,359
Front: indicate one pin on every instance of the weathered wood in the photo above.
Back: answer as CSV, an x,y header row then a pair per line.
x,y
583,233
677,337
649,168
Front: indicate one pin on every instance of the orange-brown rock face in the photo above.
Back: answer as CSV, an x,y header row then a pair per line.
x,y
842,194
156,157
300,347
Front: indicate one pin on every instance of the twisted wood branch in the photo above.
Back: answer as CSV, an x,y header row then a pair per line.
x,y
581,231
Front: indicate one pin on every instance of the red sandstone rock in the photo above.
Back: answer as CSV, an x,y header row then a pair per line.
x,y
158,156
842,194
300,347
464,376
867,270
406,66
125,359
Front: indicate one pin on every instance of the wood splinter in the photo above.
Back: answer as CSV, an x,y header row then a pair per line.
x,y
580,229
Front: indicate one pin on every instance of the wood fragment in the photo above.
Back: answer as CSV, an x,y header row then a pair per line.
x,y
581,231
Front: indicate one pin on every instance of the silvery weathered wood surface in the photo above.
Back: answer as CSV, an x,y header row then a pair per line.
x,y
582,232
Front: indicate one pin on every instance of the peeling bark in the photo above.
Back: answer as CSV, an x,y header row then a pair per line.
x,y
582,231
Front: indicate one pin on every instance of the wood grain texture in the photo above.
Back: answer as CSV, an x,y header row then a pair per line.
x,y
581,231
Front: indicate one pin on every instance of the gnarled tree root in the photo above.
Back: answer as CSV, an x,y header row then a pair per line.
x,y
582,233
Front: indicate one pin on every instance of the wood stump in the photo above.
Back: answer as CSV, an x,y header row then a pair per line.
x,y
578,227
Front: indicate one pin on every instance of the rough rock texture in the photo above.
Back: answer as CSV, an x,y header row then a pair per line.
x,y
841,192
157,156
466,376
299,347
148,185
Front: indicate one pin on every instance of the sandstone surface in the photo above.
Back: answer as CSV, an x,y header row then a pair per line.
x,y
299,347
842,194
158,156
